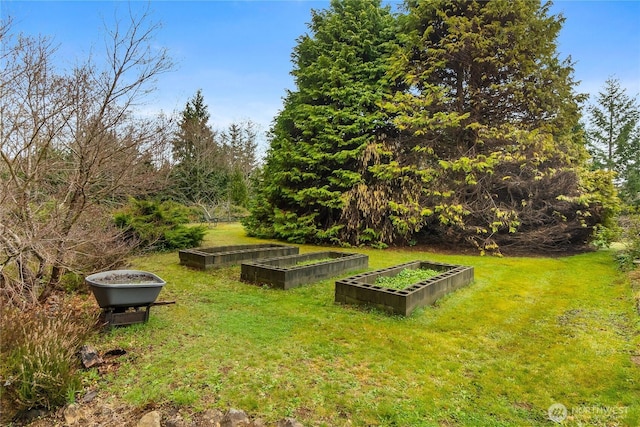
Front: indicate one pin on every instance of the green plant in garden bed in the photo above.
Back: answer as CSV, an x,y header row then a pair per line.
x,y
406,278
529,333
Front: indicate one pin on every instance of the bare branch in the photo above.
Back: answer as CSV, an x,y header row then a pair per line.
x,y
69,143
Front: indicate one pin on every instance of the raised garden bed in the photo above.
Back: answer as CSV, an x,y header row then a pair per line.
x,y
288,272
362,289
222,256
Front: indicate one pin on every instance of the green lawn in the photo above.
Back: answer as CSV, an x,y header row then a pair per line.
x,y
528,333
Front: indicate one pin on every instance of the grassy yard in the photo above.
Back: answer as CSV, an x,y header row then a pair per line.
x,y
528,333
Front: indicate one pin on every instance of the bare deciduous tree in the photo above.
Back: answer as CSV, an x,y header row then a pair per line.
x,y
69,144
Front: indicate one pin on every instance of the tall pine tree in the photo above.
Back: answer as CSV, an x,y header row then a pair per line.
x,y
614,137
199,174
319,141
489,122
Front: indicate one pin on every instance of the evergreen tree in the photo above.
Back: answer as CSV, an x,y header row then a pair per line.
x,y
238,188
494,62
489,125
239,145
459,124
614,138
320,140
199,174
194,135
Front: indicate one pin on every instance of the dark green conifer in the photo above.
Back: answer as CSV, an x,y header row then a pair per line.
x,y
319,139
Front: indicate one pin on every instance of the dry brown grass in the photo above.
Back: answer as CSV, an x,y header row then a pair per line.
x,y
40,367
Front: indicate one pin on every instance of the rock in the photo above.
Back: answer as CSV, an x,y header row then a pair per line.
x,y
105,411
235,418
90,356
258,423
175,421
89,396
212,418
33,414
289,422
72,414
150,419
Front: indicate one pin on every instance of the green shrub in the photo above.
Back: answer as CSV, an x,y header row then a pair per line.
x,y
184,237
159,225
631,240
603,236
40,367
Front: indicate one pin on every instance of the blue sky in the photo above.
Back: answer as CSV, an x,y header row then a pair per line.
x,y
239,52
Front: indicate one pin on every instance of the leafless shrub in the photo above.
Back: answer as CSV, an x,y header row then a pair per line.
x,y
70,145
